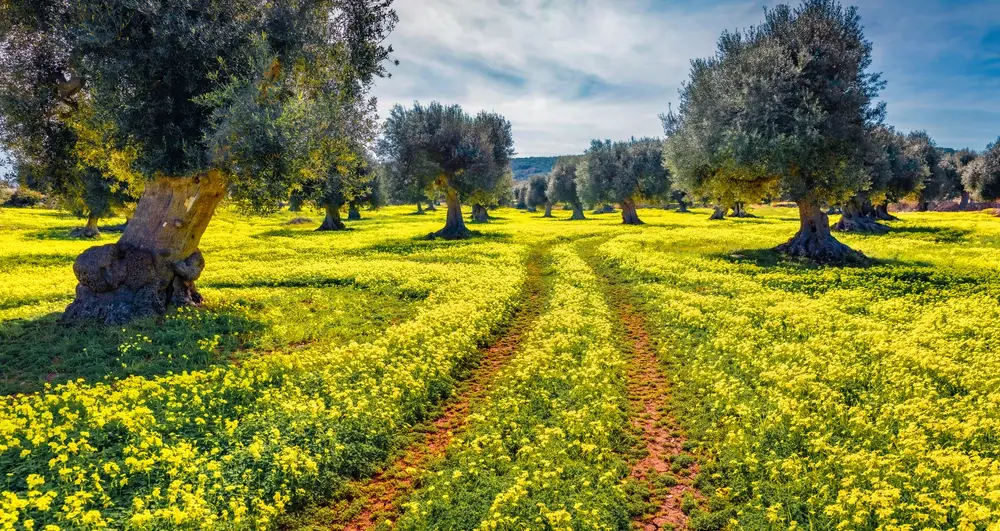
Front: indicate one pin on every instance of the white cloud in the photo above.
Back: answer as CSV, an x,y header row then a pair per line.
x,y
566,71
591,69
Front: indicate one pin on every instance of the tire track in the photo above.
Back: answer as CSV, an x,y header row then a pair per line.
x,y
667,474
379,500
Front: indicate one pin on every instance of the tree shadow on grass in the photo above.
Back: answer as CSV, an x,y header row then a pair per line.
x,y
770,258
43,350
14,262
300,233
934,234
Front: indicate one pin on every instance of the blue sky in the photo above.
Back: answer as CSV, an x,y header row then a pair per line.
x,y
566,71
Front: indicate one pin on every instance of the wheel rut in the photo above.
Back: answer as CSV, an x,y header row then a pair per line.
x,y
667,477
378,500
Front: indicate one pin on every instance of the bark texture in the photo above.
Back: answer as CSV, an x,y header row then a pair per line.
x,y
156,262
454,225
718,212
740,211
89,230
479,214
857,215
629,215
577,212
964,203
332,220
882,213
548,210
815,242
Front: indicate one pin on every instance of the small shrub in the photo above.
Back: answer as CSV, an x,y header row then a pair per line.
x,y
24,198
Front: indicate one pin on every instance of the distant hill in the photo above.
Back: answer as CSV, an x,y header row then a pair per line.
x,y
525,167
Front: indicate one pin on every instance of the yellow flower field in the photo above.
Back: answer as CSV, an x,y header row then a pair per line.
x,y
813,398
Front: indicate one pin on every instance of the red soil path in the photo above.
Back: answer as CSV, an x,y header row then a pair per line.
x,y
382,496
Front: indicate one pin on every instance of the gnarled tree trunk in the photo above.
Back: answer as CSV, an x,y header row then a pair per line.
x,y
815,242
156,262
577,211
718,212
858,216
420,208
332,220
353,214
629,215
964,203
89,230
479,214
454,225
682,206
882,213
739,211
548,210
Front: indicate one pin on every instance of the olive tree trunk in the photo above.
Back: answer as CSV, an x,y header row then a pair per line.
x,y
718,212
815,242
454,225
629,215
858,216
332,220
431,207
89,230
155,263
577,211
548,210
882,213
739,210
420,208
682,206
964,203
353,214
479,214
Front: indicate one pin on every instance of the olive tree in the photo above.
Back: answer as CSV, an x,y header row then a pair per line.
x,y
234,98
790,103
982,175
345,182
953,166
537,194
562,185
624,173
935,185
896,170
483,200
461,155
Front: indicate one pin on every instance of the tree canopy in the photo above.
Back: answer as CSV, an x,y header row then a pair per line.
x,y
982,175
562,185
624,172
789,104
460,154
212,99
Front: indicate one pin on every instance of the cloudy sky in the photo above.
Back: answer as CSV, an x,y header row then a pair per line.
x,y
566,71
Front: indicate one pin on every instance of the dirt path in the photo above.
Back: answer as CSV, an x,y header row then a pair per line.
x,y
380,498
649,393
665,468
